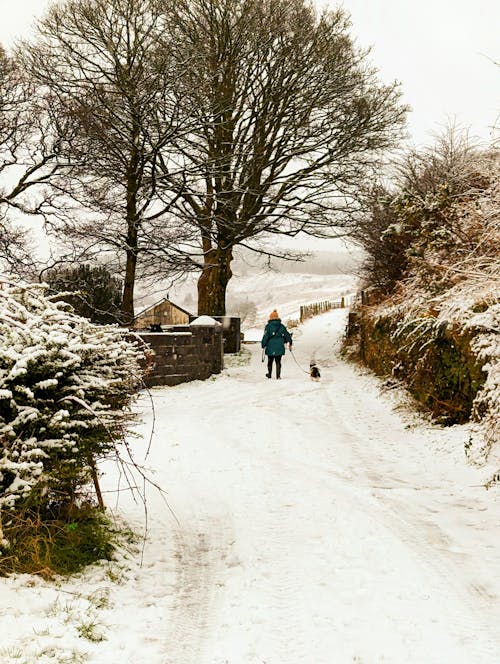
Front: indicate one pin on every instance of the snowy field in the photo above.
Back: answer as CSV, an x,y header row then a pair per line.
x,y
287,291
307,523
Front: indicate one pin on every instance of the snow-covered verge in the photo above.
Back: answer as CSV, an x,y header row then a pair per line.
x,y
306,523
447,350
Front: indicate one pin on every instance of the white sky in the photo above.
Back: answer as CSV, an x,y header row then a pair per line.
x,y
440,50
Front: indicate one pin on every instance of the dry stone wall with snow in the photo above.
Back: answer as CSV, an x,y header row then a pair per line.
x,y
183,353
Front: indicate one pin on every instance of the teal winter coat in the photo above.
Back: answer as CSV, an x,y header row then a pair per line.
x,y
275,337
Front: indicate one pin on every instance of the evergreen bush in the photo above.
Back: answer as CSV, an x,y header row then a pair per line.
x,y
66,386
92,291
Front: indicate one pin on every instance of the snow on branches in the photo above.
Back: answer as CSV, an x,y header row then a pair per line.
x,y
65,388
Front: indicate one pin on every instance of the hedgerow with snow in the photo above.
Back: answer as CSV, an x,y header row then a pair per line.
x,y
65,390
436,323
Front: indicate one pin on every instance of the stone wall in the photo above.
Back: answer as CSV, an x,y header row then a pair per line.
x,y
182,353
436,363
231,331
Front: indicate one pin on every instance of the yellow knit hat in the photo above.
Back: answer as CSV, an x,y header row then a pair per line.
x,y
273,314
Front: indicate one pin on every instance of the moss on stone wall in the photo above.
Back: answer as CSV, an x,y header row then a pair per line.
x,y
436,363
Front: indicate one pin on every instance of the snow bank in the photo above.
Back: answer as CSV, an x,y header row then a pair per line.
x,y
205,321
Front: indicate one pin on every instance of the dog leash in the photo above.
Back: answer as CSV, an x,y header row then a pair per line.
x,y
291,351
295,359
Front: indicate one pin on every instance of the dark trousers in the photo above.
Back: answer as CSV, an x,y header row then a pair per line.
x,y
277,359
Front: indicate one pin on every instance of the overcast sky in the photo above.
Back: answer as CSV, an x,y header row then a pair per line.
x,y
442,51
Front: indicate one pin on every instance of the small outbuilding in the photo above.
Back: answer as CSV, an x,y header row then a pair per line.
x,y
162,313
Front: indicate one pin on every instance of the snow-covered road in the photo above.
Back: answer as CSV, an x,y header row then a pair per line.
x,y
318,523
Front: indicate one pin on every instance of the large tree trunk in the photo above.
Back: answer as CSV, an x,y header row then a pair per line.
x,y
213,281
132,233
130,267
128,287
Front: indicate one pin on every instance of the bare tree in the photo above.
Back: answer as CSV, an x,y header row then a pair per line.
x,y
378,230
28,161
219,120
289,117
110,77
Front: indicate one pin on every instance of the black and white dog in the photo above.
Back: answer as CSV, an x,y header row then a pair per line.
x,y
314,371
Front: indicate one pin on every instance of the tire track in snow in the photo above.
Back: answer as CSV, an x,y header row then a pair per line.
x,y
199,555
474,614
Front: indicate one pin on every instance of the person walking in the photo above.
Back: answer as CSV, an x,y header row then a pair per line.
x,y
275,337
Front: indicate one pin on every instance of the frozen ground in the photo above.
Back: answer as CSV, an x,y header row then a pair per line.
x,y
315,523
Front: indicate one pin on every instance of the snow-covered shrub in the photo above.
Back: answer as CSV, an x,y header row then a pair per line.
x,y
439,328
413,225
65,388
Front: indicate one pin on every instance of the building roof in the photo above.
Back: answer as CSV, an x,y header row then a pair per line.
x,y
156,304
